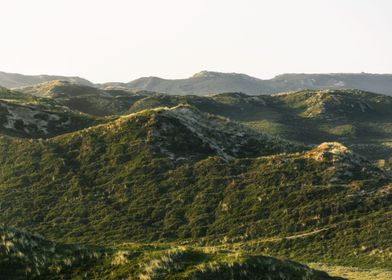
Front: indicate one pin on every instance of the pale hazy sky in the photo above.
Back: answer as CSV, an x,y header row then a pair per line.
x,y
119,40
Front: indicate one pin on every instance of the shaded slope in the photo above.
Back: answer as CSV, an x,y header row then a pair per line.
x,y
27,256
176,127
36,122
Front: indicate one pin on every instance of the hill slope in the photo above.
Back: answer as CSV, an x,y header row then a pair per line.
x,y
84,98
37,122
359,119
24,255
180,174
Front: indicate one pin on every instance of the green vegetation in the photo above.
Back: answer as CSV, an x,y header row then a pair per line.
x,y
201,196
84,98
34,122
358,119
24,255
354,273
127,181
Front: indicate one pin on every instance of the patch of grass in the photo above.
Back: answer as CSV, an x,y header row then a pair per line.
x,y
354,273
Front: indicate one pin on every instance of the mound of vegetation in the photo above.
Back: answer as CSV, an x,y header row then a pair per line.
x,y
35,122
29,256
84,98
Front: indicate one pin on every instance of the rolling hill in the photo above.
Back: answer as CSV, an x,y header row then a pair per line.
x,y
360,120
84,98
180,175
202,186
207,82
11,80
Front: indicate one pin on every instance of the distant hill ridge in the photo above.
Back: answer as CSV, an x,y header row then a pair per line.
x,y
207,82
12,80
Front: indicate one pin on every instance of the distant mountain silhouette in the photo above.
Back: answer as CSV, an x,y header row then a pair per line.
x,y
12,80
206,82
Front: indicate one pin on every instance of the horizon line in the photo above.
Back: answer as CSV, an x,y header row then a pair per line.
x,y
199,72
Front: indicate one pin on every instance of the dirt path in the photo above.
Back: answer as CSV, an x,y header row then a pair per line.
x,y
274,239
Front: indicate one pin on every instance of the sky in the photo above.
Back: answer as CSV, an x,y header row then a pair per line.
x,y
121,40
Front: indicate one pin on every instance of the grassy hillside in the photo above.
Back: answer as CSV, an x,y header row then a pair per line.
x,y
360,120
193,184
354,273
180,174
84,98
24,255
34,121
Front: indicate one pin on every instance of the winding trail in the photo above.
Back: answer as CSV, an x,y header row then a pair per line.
x,y
276,239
